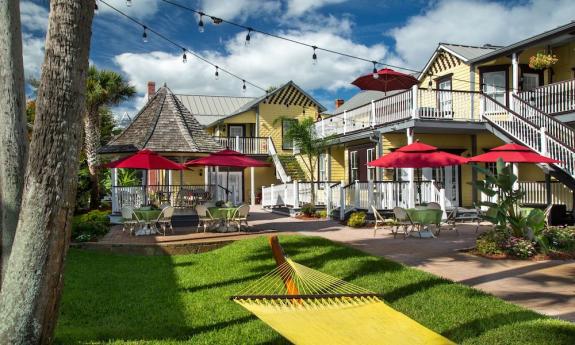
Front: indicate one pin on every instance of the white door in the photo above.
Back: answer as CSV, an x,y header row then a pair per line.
x,y
448,177
445,99
234,184
494,86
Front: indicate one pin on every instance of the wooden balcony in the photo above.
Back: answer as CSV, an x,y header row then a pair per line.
x,y
552,99
245,145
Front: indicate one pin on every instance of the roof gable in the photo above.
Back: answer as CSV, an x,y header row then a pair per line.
x,y
449,55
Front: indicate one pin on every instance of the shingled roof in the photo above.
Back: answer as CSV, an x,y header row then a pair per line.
x,y
164,124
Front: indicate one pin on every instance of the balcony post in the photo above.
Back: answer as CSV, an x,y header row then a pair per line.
x,y
414,114
114,179
543,138
372,113
238,143
369,196
327,189
515,68
252,186
341,200
295,194
344,121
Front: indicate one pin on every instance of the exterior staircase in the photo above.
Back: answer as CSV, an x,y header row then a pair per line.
x,y
529,126
292,167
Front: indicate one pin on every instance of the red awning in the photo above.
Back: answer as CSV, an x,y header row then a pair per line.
x,y
387,80
145,159
227,158
417,155
512,153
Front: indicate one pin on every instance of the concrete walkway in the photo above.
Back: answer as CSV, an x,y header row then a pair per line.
x,y
545,286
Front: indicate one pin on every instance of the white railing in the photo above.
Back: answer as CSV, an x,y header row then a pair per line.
x,y
389,109
536,194
554,127
528,133
175,195
447,105
295,194
246,145
283,176
554,98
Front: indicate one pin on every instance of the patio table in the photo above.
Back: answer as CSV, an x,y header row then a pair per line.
x,y
423,218
223,214
147,216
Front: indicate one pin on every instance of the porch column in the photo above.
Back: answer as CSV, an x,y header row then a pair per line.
x,y
548,191
410,174
515,168
515,67
114,179
252,186
342,200
379,153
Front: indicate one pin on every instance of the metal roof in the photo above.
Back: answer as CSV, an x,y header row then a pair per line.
x,y
362,98
209,109
468,52
567,29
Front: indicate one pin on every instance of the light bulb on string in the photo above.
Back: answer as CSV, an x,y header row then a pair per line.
x,y
184,57
244,86
248,36
217,74
314,56
129,3
145,34
374,72
201,23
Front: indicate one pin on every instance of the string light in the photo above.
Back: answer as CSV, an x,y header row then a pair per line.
x,y
201,22
217,74
314,56
216,20
248,37
374,73
244,86
430,83
184,57
145,34
129,3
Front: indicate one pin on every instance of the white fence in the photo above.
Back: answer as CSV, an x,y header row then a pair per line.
x,y
553,98
246,145
536,194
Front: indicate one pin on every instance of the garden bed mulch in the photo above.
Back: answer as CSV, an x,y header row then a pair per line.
x,y
538,257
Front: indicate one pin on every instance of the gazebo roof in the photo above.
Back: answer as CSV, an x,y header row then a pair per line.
x,y
163,125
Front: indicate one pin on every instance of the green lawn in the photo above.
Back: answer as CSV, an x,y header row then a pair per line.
x,y
184,299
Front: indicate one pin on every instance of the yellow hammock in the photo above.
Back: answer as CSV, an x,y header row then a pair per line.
x,y
310,307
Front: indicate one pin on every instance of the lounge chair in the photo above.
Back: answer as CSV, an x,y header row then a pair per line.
x,y
130,219
403,221
204,217
164,220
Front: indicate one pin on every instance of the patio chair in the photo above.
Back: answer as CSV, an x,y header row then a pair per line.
x,y
433,206
379,220
402,221
459,215
204,217
241,215
164,220
130,219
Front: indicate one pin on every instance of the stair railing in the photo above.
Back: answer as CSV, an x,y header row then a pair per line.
x,y
277,163
528,133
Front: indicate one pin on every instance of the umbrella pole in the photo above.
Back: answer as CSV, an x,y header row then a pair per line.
x,y
227,184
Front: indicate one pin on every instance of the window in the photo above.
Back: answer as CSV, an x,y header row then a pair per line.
x,y
494,85
445,98
491,166
354,166
370,170
530,81
286,125
322,167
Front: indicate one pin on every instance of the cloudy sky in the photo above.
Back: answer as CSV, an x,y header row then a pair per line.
x,y
399,32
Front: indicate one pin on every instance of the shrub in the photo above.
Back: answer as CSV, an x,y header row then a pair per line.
x,y
88,226
520,247
356,220
321,214
308,210
560,238
490,243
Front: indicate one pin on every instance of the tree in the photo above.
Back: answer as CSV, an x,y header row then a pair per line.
x,y
13,140
32,285
104,88
308,142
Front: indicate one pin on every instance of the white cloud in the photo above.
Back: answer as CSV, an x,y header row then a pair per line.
x,y
476,23
266,61
33,52
33,17
299,7
242,9
138,9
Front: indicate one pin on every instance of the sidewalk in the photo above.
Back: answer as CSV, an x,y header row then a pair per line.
x,y
545,286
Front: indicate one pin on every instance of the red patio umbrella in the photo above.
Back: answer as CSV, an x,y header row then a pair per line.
x,y
417,155
387,80
513,153
145,159
227,158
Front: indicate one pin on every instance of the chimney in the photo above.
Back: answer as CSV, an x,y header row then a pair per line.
x,y
339,103
151,89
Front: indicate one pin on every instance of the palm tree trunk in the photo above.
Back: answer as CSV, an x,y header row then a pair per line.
x,y
31,289
91,146
13,140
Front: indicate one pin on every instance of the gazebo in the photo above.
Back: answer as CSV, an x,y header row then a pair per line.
x,y
164,126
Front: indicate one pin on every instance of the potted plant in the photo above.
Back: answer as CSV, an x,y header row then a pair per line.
x,y
541,61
